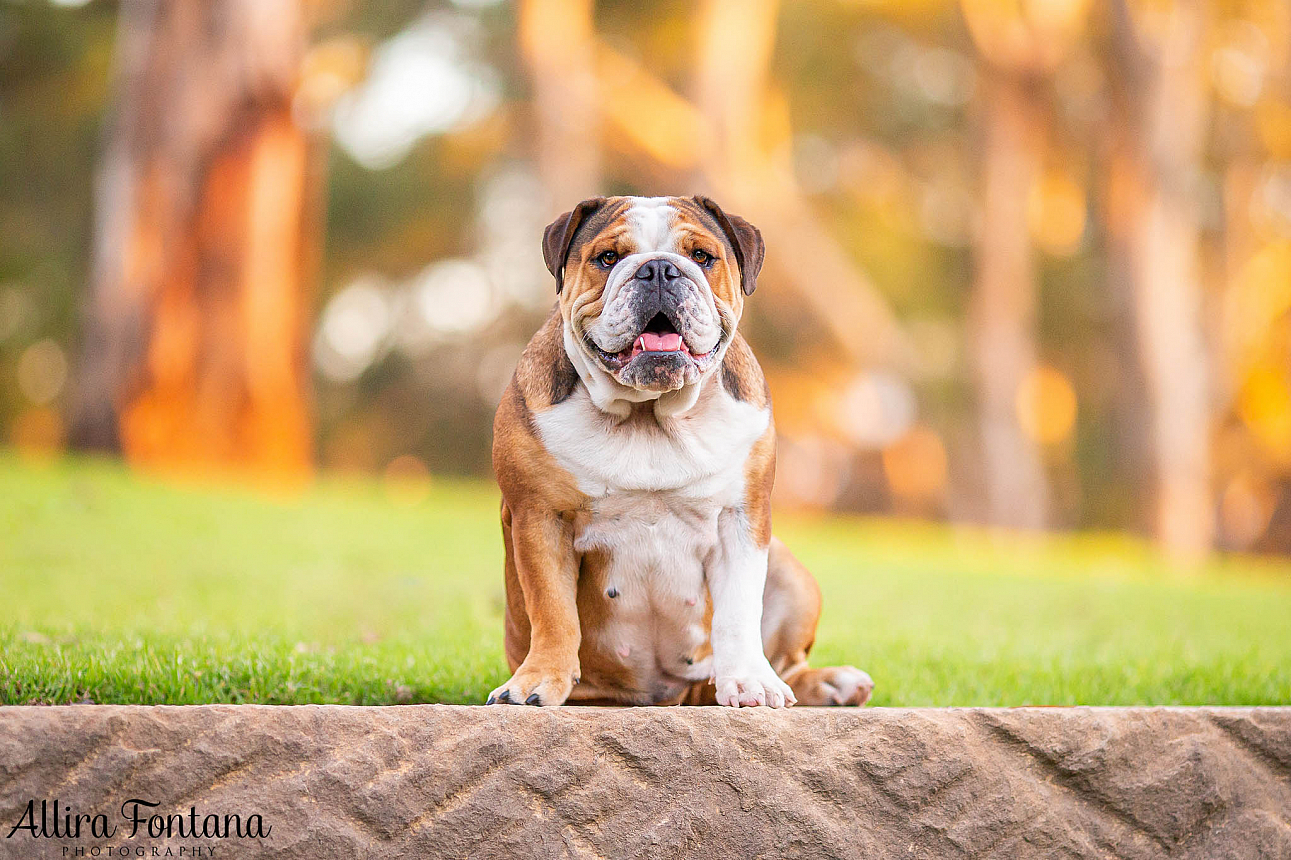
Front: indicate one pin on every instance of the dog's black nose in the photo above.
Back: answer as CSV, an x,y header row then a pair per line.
x,y
658,272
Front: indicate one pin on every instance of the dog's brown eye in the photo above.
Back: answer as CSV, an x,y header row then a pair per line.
x,y
606,259
699,255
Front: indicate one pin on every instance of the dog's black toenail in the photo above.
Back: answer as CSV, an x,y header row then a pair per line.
x,y
690,661
505,696
491,700
533,699
612,593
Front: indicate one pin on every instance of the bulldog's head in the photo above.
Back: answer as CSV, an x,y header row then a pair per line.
x,y
652,288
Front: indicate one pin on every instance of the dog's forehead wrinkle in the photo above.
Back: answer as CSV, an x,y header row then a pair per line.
x,y
651,220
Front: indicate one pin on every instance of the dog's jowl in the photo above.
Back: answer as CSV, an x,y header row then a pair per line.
x,y
635,451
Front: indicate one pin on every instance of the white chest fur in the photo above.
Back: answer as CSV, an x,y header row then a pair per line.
x,y
656,490
699,454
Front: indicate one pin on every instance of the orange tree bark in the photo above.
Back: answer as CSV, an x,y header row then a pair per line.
x,y
195,349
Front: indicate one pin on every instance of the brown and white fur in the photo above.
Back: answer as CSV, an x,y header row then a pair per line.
x,y
636,470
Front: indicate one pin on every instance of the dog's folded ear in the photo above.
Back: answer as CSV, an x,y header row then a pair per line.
x,y
560,233
744,238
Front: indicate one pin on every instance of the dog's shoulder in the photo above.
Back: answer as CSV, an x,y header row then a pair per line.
x,y
544,378
742,375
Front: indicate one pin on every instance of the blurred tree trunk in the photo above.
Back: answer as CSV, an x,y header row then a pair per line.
x,y
206,222
556,40
753,176
1003,306
1158,131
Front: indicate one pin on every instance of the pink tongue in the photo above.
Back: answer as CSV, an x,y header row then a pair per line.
x,y
651,342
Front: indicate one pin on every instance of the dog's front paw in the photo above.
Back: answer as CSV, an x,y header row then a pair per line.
x,y
757,685
535,685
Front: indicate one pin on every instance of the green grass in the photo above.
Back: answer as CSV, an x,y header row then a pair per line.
x,y
117,588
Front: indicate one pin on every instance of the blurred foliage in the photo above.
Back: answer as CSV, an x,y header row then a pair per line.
x,y
882,101
53,88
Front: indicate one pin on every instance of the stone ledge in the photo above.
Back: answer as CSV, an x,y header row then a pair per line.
x,y
452,781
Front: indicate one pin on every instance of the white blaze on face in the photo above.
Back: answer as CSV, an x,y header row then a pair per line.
x,y
651,220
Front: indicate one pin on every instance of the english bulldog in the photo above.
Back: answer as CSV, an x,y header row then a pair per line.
x,y
635,452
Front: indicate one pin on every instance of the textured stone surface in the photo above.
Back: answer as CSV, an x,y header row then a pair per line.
x,y
440,781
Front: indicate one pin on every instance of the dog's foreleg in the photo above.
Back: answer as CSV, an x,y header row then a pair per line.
x,y
736,574
547,568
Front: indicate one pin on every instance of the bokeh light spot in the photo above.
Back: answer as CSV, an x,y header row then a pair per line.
x,y
876,409
1265,406
42,371
915,465
1046,405
1056,214
406,480
1244,510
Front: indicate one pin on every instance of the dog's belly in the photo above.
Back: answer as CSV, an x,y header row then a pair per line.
x,y
642,598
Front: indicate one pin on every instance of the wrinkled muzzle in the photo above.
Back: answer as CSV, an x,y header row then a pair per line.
x,y
660,327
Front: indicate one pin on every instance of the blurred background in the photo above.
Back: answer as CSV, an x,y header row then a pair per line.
x,y
1029,261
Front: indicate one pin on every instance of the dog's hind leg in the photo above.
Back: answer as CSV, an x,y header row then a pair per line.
x,y
790,610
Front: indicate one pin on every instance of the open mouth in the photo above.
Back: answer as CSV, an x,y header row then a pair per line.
x,y
658,347
659,335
